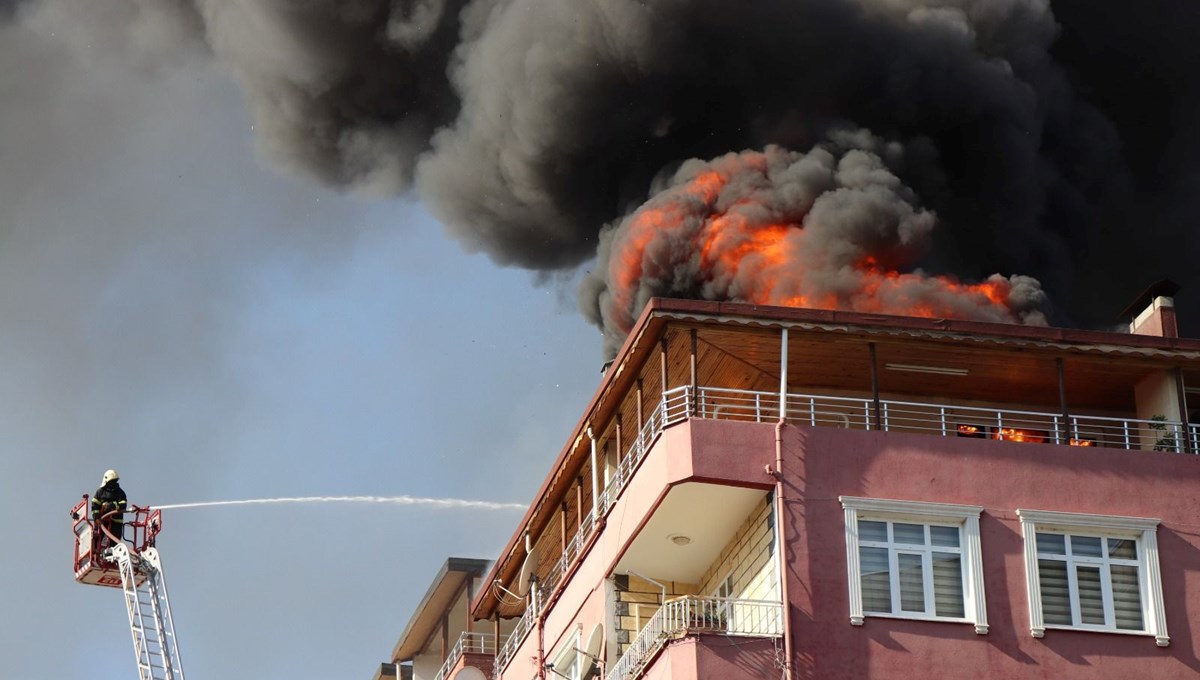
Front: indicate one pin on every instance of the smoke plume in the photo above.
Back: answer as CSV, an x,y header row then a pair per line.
x,y
537,130
833,229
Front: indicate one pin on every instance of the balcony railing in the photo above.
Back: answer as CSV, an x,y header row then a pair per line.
x,y
513,641
747,618
468,643
944,420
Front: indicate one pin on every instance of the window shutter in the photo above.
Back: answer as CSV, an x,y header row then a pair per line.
x,y
876,580
1127,598
1056,597
947,585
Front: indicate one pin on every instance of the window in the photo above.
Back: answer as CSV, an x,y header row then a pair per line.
x,y
914,560
1093,572
566,664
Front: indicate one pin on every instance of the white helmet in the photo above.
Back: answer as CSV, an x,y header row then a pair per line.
x,y
109,476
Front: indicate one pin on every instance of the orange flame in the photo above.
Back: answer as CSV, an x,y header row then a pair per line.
x,y
736,254
1016,434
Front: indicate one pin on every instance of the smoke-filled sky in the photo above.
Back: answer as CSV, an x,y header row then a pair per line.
x,y
224,266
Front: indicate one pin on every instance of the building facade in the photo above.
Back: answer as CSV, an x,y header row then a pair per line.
x,y
768,492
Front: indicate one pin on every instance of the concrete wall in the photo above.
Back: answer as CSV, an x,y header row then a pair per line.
x,y
749,558
821,464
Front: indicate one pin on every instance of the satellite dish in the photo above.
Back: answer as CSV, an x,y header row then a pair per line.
x,y
528,568
469,673
591,652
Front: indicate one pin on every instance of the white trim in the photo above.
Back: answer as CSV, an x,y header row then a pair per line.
x,y
1142,529
965,516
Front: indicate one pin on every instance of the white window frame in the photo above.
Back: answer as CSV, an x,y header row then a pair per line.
x,y
1142,529
567,663
964,516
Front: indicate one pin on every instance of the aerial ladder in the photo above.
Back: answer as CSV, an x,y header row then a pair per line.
x,y
104,559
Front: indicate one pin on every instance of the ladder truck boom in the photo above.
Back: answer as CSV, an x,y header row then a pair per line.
x,y
103,559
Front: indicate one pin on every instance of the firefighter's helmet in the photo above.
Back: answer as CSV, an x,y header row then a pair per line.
x,y
109,475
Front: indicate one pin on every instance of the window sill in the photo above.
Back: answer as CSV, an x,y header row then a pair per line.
x,y
1160,640
980,629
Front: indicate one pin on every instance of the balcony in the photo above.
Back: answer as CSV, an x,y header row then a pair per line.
x,y
469,643
695,615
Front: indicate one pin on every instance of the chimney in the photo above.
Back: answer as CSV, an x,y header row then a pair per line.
x,y
1155,311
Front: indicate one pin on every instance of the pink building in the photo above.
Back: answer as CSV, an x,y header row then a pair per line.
x,y
764,492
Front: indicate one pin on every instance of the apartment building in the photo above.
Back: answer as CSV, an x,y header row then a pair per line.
x,y
790,493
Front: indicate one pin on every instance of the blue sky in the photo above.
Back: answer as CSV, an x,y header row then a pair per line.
x,y
171,307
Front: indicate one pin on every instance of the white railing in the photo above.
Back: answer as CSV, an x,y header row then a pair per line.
x,y
468,643
944,420
1129,433
514,640
746,618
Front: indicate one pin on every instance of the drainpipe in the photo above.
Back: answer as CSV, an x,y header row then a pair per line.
x,y
777,473
783,376
779,524
595,479
541,635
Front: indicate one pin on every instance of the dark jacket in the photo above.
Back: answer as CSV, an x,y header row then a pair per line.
x,y
107,498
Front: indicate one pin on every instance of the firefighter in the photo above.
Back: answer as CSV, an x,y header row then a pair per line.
x,y
109,498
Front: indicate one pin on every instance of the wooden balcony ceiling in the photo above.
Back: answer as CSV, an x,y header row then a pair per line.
x,y
742,358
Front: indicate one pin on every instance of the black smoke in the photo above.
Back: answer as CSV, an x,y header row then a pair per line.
x,y
1053,140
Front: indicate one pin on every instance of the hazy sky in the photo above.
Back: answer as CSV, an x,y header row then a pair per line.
x,y
213,330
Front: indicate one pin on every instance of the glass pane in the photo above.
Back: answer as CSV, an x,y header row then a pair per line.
x,y
912,583
1091,595
1122,548
1127,598
872,531
944,537
1051,544
1086,546
876,586
947,585
909,533
1056,598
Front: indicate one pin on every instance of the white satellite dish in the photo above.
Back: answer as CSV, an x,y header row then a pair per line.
x,y
469,673
527,572
591,652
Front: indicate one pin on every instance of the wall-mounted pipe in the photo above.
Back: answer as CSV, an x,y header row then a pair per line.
x,y
595,479
780,508
783,376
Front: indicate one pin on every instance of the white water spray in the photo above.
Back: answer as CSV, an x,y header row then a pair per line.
x,y
447,503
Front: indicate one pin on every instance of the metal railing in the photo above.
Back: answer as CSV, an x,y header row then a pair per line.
x,y
514,640
468,643
946,420
746,618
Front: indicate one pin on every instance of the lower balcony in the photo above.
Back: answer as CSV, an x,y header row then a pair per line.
x,y
691,616
477,650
